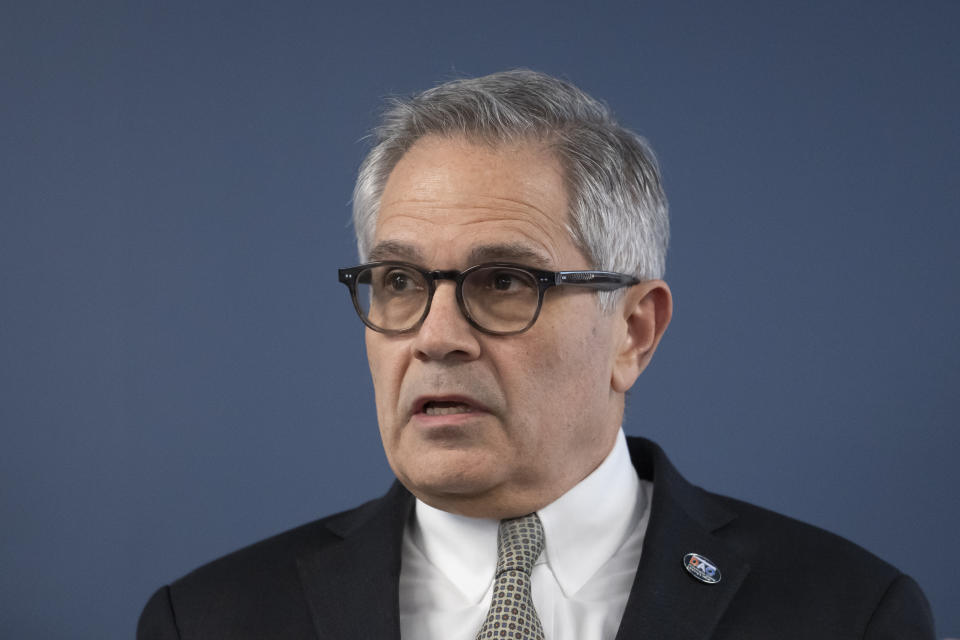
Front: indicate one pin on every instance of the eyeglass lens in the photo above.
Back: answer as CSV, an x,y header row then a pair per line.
x,y
497,298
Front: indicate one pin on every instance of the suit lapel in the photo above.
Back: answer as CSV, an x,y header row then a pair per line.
x,y
351,584
666,601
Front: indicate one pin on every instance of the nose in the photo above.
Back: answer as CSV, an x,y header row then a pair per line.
x,y
445,333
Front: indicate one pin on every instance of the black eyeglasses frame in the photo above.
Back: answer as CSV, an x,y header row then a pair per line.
x,y
590,279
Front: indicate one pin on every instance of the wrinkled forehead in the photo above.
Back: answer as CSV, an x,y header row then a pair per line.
x,y
489,203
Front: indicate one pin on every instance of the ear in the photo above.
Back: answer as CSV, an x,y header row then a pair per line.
x,y
646,312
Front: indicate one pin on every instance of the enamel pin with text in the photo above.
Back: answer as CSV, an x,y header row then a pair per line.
x,y
701,568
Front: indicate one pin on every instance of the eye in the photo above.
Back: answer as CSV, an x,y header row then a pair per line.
x,y
499,280
503,281
397,281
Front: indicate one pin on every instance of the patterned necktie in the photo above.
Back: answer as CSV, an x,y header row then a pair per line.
x,y
511,614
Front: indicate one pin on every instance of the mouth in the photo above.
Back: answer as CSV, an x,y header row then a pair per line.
x,y
445,406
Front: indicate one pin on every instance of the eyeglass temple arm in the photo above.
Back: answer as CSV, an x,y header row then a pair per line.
x,y
602,280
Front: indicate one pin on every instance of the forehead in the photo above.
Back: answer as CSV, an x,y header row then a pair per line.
x,y
454,200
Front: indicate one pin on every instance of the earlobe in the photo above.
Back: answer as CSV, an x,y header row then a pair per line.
x,y
647,309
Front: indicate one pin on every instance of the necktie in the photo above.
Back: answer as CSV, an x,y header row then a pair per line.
x,y
511,615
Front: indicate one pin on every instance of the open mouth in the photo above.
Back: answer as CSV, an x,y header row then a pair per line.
x,y
445,408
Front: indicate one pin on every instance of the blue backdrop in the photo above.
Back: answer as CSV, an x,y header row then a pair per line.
x,y
181,374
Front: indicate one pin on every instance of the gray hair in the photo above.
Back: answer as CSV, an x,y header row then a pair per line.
x,y
618,210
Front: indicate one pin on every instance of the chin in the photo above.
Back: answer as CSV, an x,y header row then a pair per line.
x,y
436,480
450,483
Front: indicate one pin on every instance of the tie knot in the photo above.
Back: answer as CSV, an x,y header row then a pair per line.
x,y
519,543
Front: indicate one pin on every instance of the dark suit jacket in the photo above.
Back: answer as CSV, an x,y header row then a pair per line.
x,y
337,578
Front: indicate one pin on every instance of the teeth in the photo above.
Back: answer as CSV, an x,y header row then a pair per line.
x,y
432,410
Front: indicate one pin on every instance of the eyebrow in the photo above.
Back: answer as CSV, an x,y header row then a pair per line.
x,y
508,252
394,250
494,252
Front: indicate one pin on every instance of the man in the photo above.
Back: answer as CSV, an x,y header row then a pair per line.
x,y
513,238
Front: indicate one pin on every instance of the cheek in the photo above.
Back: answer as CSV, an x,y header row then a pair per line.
x,y
559,382
580,372
384,364
576,350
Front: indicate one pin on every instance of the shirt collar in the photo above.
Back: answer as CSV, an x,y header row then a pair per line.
x,y
463,549
604,508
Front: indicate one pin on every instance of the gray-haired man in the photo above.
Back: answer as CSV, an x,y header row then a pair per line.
x,y
513,241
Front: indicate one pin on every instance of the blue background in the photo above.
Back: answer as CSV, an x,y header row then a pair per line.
x,y
181,374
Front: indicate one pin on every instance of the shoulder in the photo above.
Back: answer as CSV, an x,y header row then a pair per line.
x,y
790,579
258,587
772,541
797,567
271,558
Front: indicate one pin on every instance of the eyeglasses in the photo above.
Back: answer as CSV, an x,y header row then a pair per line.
x,y
498,298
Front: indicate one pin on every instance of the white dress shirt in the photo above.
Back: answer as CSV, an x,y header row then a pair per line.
x,y
580,583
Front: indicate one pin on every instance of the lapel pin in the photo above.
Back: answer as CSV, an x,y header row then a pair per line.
x,y
701,568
